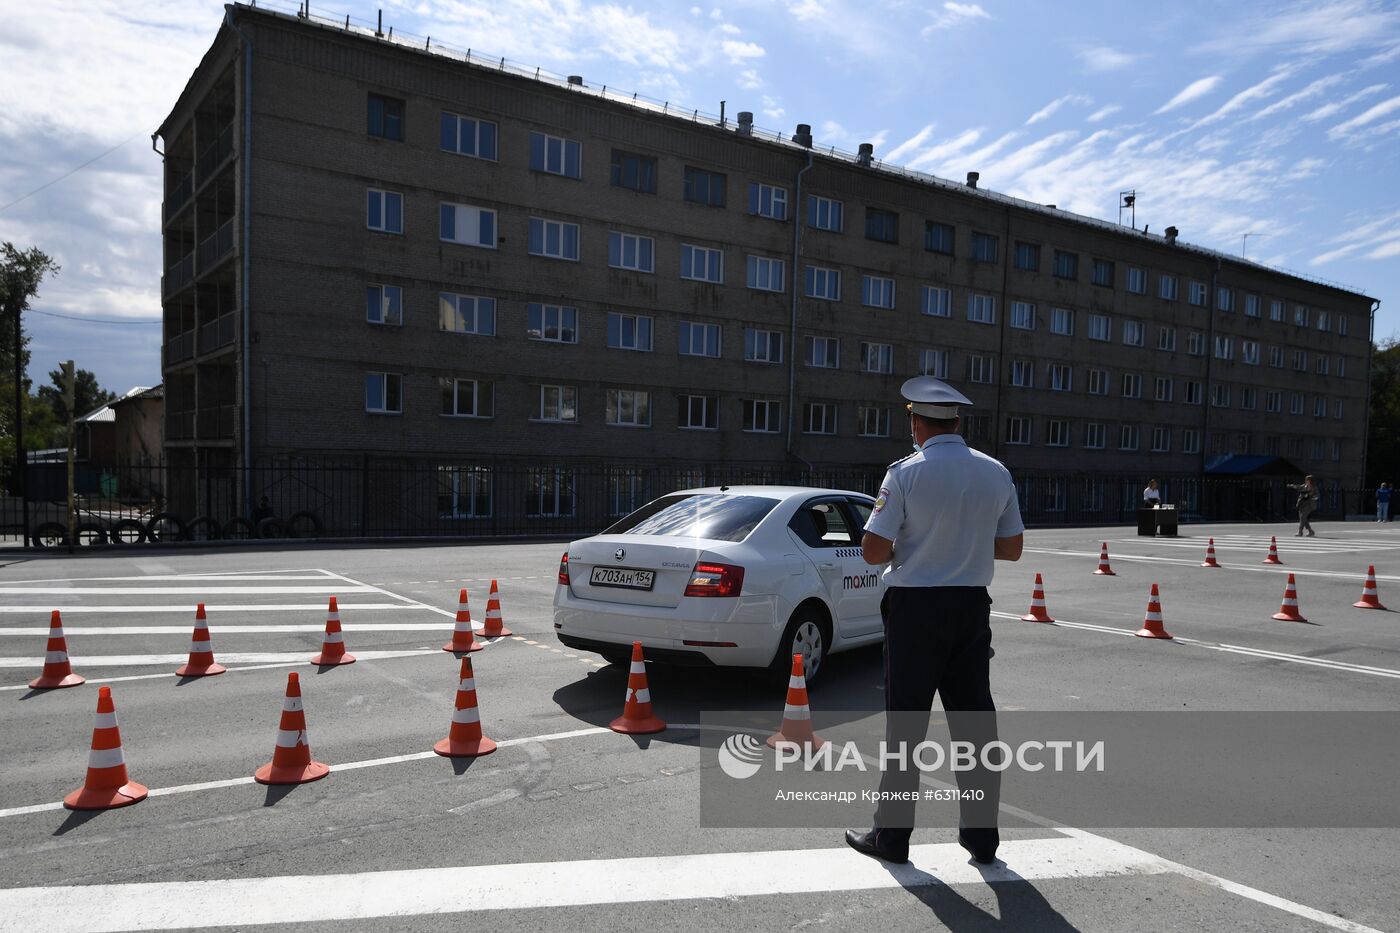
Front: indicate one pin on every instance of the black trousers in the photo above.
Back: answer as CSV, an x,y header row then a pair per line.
x,y
937,640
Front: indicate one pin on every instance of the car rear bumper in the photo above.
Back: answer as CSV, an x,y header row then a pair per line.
x,y
690,657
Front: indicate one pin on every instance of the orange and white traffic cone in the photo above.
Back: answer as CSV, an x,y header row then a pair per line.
x,y
463,636
1152,622
1210,560
1273,551
333,644
1038,611
494,627
201,662
1288,611
106,786
1370,598
57,671
291,759
797,714
637,718
464,739
1104,569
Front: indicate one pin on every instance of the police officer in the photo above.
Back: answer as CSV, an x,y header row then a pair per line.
x,y
943,515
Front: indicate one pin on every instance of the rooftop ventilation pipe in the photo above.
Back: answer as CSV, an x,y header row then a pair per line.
x,y
576,80
1171,234
745,122
803,136
867,153
972,179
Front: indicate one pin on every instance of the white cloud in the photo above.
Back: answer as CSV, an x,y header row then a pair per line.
x,y
772,108
910,144
749,79
1343,130
934,155
806,10
1327,28
1385,250
740,52
1105,58
1336,107
1263,89
1046,112
1193,91
1103,113
1297,97
952,15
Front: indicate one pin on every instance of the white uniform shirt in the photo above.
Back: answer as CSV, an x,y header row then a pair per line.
x,y
1151,496
943,507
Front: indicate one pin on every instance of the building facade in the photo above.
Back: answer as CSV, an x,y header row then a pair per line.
x,y
381,250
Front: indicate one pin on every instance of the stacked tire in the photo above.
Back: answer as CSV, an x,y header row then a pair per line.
x,y
167,526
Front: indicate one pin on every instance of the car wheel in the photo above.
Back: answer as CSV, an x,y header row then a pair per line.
x,y
271,528
49,534
127,531
303,525
807,634
202,528
165,526
91,534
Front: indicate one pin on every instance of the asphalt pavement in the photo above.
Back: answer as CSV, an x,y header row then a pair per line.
x,y
571,826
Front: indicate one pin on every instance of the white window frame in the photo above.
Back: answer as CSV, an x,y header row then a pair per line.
x,y
555,155
981,309
1195,343
1137,280
767,201
1095,435
1097,382
1134,333
709,412
1273,401
1132,385
1251,305
819,418
1276,310
760,272
1224,347
560,230
1021,374
618,402
559,398
981,368
702,264
1195,392
562,320
935,301
1129,437
1167,287
1057,432
692,333
933,363
1018,430
826,214
772,420
631,251
771,341
1161,439
877,291
822,283
1190,441
1163,388
876,357
467,217
1062,321
879,415
1249,352
1166,339
1061,377
1198,294
387,300
458,120
466,314
483,397
381,404
1022,315
821,352
1100,328
629,322
467,485
1224,299
382,198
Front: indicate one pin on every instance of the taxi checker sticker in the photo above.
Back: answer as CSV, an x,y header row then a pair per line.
x,y
880,500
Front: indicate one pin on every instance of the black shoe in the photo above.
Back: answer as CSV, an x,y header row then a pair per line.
x,y
981,844
869,844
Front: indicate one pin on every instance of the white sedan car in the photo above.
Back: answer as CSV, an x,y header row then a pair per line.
x,y
741,576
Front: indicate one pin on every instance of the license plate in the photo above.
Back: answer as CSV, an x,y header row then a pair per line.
x,y
629,578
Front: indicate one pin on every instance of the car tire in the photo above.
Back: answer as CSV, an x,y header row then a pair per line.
x,y
49,534
808,633
239,529
616,657
303,525
203,528
165,526
127,531
91,534
271,528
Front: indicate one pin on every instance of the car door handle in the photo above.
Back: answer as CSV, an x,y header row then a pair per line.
x,y
827,566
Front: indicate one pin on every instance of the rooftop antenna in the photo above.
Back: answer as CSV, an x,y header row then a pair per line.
x,y
1127,201
1244,242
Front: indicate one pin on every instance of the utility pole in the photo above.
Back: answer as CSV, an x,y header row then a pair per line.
x,y
70,396
19,427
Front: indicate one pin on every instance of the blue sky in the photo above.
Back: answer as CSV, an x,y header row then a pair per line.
x,y
1278,120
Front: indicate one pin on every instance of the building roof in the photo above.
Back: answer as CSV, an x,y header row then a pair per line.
x,y
105,412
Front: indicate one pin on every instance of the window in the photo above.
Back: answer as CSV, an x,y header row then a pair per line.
x,y
1224,348
1300,361
1103,273
1336,449
1276,311
823,352
633,171
1196,291
1161,440
384,393
767,201
938,238
1022,315
1295,447
763,346
1057,433
981,309
1318,447
467,136
1132,385
825,214
936,302
1022,374
1027,256
703,187
1066,265
1100,327
1062,321
1133,333
1166,287
698,412
876,291
1276,357
466,314
628,408
881,225
702,264
1018,429
1195,343
1220,395
384,304
552,323
1324,320
872,421
467,398
550,493
980,368
1061,377
1337,410
1341,325
985,247
1295,404
386,117
1166,339
556,403
933,363
1137,280
1224,299
818,418
384,211
464,492
765,274
555,156
1251,305
823,283
1301,315
1128,437
1272,445
1249,398
1163,388
1094,436
1098,382
876,357
699,339
553,238
1249,352
1341,367
629,331
1273,401
1190,441
467,225
762,416
626,492
1193,392
629,251
1319,406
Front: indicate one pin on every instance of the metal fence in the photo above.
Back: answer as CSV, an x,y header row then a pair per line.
x,y
376,497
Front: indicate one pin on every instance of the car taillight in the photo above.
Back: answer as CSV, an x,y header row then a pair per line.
x,y
715,580
564,569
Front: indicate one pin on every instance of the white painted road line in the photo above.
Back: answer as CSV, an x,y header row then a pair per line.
x,y
98,662
209,607
332,587
309,898
80,630
422,605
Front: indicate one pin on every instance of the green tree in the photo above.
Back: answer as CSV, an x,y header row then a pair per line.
x,y
21,272
88,396
1383,446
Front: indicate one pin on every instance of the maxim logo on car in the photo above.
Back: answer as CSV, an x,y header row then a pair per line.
x,y
860,581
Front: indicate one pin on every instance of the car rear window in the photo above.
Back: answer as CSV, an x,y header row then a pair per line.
x,y
719,518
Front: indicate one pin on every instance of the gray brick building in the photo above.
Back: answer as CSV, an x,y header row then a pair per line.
x,y
380,250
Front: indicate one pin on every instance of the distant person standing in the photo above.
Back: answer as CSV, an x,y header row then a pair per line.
x,y
1307,504
1383,503
1151,496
